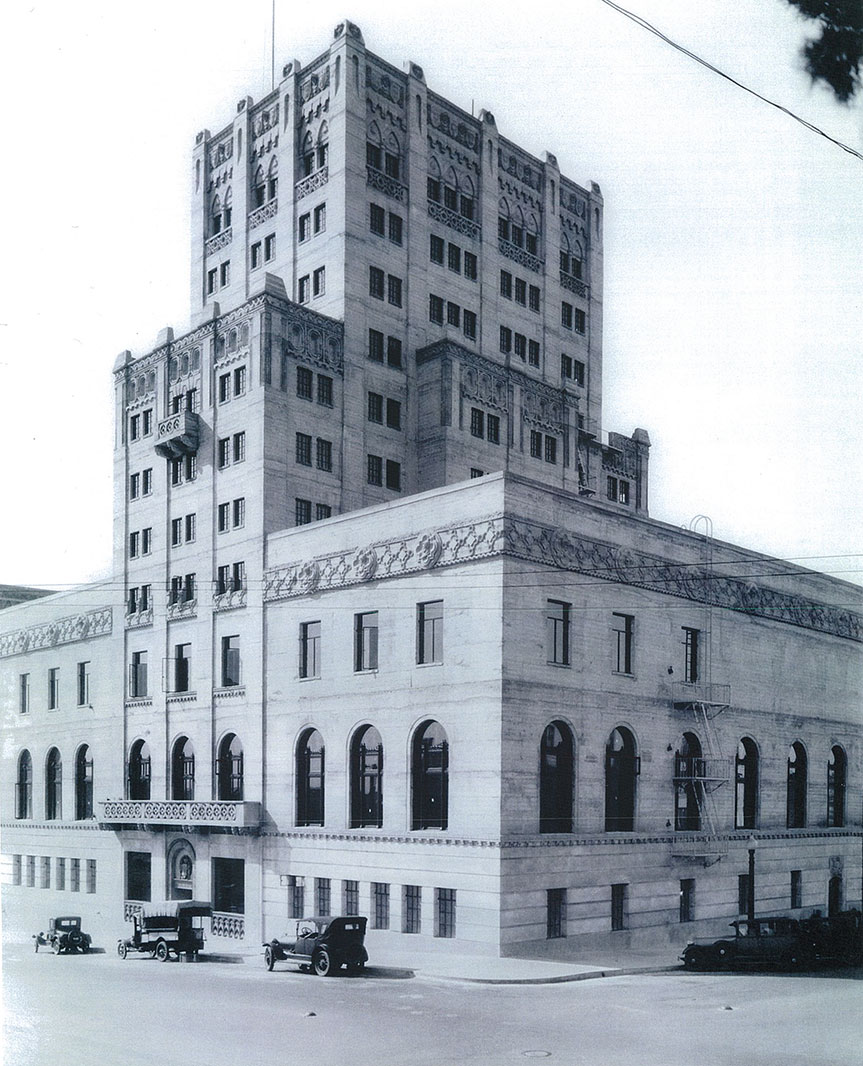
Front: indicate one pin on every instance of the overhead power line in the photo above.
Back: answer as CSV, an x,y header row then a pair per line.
x,y
639,21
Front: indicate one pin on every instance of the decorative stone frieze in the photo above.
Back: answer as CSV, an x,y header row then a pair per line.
x,y
84,626
455,221
519,255
388,186
262,214
220,241
567,281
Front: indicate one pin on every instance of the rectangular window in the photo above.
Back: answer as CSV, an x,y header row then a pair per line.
x,y
453,314
45,871
325,390
376,346
322,511
239,447
319,281
475,472
223,578
324,454
444,924
240,381
470,266
436,249
225,274
743,893
16,869
492,429
454,258
395,228
623,629
138,867
176,532
304,289
381,905
134,427
230,661
310,649
134,545
618,907
580,321
239,512
366,641
687,899
520,291
520,346
305,379
375,470
91,875
74,875
304,227
412,909
224,388
182,668
322,896
533,298
24,693
147,482
506,284
578,372
796,889
392,165
212,276
535,444
146,540
430,632
557,632
551,449
376,283
223,519
433,191
394,352
270,247
469,324
394,414
394,475
377,220
566,315
304,449
224,454
134,486
190,524
138,675
477,422
229,886
533,353
320,218
302,512
466,207
690,660
394,290
296,896
31,871
84,684
147,422
555,913
435,309
53,688
505,339
59,874
376,408
350,897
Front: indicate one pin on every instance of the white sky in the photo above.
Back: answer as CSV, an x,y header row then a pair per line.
x,y
733,237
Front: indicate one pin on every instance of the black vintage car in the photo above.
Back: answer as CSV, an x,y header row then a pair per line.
x,y
322,945
64,936
166,927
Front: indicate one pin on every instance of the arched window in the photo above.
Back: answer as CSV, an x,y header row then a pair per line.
x,y
259,188
53,786
24,786
621,771
83,783
226,212
323,149
215,216
796,805
556,779
374,148
273,179
746,785
504,223
183,770
310,778
688,784
307,155
450,190
139,771
229,768
466,199
367,769
434,185
531,234
837,772
430,777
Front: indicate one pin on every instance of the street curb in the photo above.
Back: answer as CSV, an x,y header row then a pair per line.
x,y
567,978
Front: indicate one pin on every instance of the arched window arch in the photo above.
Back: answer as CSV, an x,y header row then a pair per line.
x,y
516,227
367,772
259,188
797,775
434,190
310,778
688,784
139,771
467,198
83,783
621,771
556,779
746,784
227,209
215,216
229,768
307,154
273,179
323,148
504,222
53,786
24,786
430,777
837,773
531,234
183,769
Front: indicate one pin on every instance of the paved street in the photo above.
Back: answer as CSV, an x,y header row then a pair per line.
x,y
86,1010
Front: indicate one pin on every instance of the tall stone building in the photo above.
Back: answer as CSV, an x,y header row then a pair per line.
x,y
390,629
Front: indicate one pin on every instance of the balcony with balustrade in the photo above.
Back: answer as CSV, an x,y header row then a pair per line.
x,y
226,816
178,435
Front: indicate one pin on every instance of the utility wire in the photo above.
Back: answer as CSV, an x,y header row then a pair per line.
x,y
639,21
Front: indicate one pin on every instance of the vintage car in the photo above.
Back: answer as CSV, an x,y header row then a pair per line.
x,y
323,945
778,941
64,936
173,925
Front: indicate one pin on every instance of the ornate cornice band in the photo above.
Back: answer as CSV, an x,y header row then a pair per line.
x,y
69,630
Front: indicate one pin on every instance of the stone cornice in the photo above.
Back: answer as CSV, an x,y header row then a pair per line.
x,y
69,630
517,537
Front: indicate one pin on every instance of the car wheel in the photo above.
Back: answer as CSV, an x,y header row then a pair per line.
x,y
55,947
122,950
269,958
162,951
85,948
321,964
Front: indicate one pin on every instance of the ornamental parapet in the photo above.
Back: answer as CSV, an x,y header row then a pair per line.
x,y
231,926
217,243
177,435
519,255
226,601
314,181
388,186
261,214
191,814
139,618
567,281
454,220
